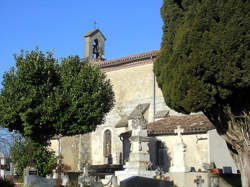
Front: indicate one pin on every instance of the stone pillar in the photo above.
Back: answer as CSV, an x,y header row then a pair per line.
x,y
11,169
29,171
179,163
139,155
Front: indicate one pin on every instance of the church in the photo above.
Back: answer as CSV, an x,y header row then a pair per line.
x,y
137,93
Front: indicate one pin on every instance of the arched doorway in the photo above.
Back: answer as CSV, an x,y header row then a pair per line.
x,y
107,149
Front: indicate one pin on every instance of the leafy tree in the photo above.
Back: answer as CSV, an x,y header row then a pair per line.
x,y
41,98
204,65
42,159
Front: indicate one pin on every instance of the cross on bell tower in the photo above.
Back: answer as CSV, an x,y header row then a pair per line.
x,y
94,45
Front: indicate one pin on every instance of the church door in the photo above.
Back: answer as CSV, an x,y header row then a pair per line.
x,y
125,148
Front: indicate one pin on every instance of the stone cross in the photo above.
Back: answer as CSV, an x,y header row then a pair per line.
x,y
179,130
179,162
199,181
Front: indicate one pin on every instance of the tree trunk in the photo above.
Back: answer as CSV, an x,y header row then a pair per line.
x,y
241,145
244,166
236,132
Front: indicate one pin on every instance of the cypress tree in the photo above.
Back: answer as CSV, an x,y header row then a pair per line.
x,y
204,65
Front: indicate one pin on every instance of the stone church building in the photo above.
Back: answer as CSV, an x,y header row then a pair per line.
x,y
136,92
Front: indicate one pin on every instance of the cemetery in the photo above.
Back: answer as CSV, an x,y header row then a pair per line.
x,y
177,116
141,136
142,142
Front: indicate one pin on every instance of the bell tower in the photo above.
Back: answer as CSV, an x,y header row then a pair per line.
x,y
94,45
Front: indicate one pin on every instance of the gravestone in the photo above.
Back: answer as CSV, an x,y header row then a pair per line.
x,y
144,182
85,178
179,163
31,178
139,156
55,174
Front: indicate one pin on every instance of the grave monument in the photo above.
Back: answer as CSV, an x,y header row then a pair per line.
x,y
139,156
179,163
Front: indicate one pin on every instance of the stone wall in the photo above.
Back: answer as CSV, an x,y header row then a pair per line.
x,y
207,179
76,150
97,144
85,141
132,86
219,153
70,152
54,146
196,151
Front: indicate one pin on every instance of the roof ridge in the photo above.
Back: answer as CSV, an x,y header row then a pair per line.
x,y
129,58
191,123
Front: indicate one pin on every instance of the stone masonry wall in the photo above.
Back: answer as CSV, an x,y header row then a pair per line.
x,y
97,144
85,149
196,151
132,86
70,152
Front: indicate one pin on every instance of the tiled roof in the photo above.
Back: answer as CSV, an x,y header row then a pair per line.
x,y
162,114
90,32
128,59
93,32
191,124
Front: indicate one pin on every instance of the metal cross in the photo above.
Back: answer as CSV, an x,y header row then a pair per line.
x,y
95,24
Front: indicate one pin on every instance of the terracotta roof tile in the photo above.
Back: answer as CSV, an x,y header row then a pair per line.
x,y
197,123
128,59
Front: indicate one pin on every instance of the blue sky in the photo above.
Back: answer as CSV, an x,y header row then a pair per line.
x,y
131,26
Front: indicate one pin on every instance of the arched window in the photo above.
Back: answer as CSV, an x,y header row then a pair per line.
x,y
107,143
96,50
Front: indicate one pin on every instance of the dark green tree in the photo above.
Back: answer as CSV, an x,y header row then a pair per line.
x,y
41,98
204,65
43,159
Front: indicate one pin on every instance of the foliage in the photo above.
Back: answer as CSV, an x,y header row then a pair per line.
x,y
41,98
203,65
42,159
205,55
